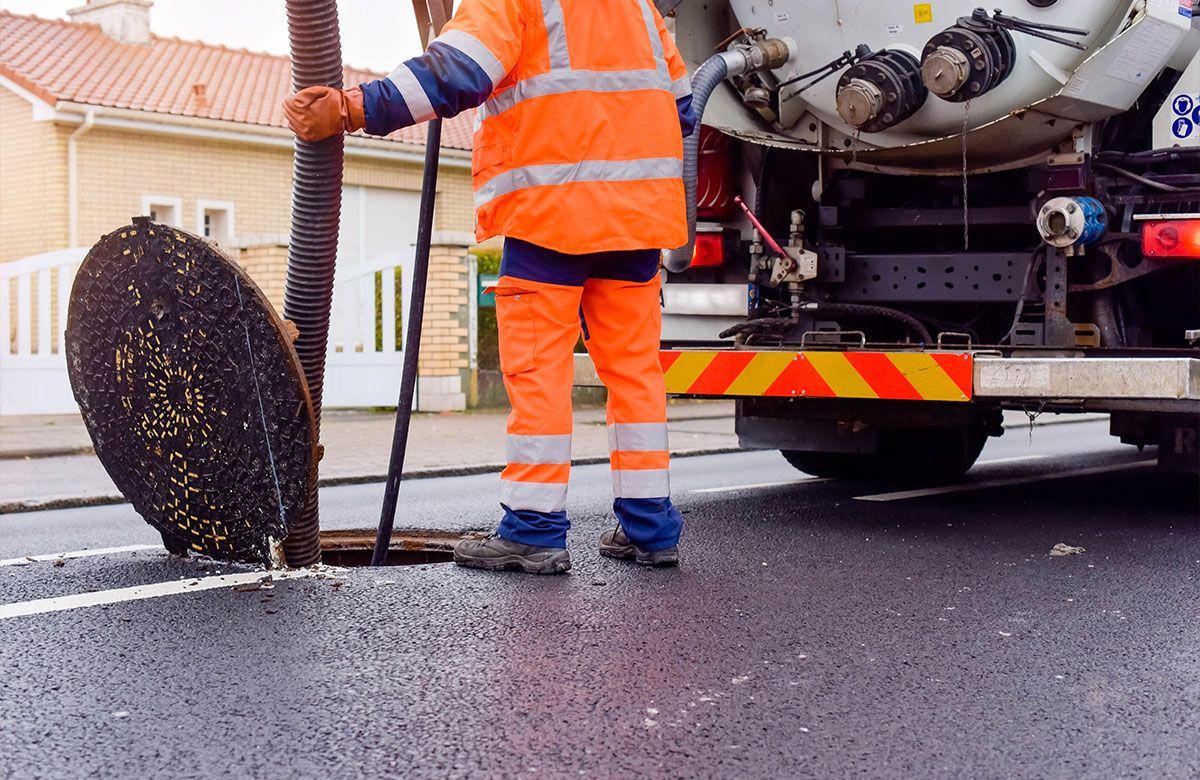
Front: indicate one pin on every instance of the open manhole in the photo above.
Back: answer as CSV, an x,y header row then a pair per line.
x,y
408,548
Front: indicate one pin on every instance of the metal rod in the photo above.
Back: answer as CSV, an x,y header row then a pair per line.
x,y
412,344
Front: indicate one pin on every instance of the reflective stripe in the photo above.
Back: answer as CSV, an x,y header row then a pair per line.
x,y
584,171
637,437
472,47
641,484
534,496
656,46
413,93
681,87
563,81
539,449
556,34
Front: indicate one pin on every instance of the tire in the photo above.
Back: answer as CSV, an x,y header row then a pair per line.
x,y
904,455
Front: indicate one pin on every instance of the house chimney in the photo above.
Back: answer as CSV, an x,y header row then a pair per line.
x,y
128,21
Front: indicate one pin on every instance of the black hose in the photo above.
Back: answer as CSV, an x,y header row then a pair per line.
x,y
864,310
706,79
412,344
1151,183
312,249
766,324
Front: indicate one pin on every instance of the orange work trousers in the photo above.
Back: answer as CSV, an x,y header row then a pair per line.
x,y
543,301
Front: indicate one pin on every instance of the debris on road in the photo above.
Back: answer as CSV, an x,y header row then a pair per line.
x,y
1061,549
263,583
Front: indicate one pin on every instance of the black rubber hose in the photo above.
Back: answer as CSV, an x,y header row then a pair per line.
x,y
706,79
412,345
312,249
831,307
864,310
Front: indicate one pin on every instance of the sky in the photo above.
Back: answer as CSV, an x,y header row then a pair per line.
x,y
376,34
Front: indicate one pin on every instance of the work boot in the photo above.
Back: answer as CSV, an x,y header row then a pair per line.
x,y
615,544
495,553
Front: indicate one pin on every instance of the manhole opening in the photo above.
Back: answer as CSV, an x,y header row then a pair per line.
x,y
409,547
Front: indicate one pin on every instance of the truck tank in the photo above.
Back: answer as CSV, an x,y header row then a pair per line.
x,y
1010,191
1018,77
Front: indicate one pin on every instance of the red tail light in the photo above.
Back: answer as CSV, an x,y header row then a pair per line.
x,y
710,250
714,176
1172,238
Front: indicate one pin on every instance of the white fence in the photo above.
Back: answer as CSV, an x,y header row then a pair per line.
x,y
363,365
365,357
33,307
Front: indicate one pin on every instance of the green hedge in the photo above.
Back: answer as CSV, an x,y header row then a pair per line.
x,y
488,262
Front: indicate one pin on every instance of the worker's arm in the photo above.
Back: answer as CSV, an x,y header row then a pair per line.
x,y
459,70
681,84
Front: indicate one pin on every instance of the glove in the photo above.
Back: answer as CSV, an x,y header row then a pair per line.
x,y
317,113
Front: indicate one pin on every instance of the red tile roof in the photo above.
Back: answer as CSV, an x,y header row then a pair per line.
x,y
60,60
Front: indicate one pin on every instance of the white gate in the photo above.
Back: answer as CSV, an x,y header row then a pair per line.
x,y
365,357
363,366
34,294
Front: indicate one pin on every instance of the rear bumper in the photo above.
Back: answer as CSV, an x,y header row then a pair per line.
x,y
1168,384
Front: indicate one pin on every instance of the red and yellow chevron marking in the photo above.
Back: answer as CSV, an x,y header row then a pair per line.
x,y
898,376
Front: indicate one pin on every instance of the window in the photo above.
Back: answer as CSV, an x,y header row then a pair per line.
x,y
214,219
167,210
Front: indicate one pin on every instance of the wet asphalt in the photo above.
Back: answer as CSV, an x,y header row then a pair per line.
x,y
808,634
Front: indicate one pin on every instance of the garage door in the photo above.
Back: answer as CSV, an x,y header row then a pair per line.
x,y
374,274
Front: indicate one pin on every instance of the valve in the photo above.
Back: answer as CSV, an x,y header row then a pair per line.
x,y
967,60
1072,222
975,55
881,91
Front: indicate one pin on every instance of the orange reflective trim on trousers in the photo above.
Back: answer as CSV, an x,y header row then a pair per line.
x,y
545,473
639,461
625,328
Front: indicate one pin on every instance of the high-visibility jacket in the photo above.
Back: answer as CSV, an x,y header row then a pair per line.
x,y
578,144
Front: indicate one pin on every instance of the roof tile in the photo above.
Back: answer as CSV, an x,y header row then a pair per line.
x,y
61,60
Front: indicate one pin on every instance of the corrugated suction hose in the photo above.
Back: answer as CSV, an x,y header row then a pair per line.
x,y
706,79
763,55
312,249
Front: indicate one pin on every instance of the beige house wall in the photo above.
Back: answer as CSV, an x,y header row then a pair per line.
x,y
118,168
33,181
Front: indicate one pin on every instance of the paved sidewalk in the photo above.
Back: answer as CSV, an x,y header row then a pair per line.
x,y
47,461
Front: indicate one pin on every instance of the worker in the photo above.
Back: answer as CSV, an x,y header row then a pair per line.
x,y
577,163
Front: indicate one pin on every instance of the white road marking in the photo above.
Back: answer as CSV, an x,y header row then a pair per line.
x,y
141,592
991,483
1017,459
734,488
79,554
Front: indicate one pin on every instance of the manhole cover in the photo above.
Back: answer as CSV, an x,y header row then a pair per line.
x,y
191,391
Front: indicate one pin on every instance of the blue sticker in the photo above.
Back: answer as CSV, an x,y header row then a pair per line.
x,y
1196,115
1182,127
1182,104
1185,8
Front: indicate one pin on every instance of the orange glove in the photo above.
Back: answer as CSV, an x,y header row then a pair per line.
x,y
317,113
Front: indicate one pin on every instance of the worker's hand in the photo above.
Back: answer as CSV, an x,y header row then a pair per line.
x,y
317,113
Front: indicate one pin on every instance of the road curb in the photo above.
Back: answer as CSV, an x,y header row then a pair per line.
x,y
25,506
47,452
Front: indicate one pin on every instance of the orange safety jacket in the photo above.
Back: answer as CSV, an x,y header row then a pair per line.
x,y
577,144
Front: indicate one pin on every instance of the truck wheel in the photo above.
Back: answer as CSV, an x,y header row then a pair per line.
x,y
904,455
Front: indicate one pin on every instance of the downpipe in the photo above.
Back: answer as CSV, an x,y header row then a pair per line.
x,y
312,248
766,55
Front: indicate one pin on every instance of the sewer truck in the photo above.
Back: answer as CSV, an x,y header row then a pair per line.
x,y
907,218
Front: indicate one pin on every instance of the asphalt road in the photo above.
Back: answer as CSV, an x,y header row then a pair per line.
x,y
810,633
